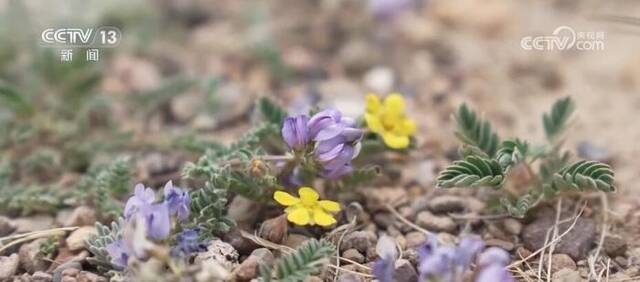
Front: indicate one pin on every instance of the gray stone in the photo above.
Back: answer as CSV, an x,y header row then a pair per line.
x,y
250,267
8,266
435,223
359,240
40,276
576,243
85,276
353,255
447,203
6,226
77,238
566,275
562,261
614,245
31,258
404,272
220,252
415,239
505,245
33,223
81,216
512,226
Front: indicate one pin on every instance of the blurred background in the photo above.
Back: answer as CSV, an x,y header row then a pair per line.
x,y
186,73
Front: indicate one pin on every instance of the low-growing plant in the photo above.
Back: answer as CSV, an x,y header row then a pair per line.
x,y
305,261
487,161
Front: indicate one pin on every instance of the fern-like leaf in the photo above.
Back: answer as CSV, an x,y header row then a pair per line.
x,y
584,175
208,207
97,245
303,262
360,177
511,152
471,172
474,130
270,111
556,121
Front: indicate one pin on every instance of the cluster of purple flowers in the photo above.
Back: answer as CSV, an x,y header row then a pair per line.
x,y
335,139
449,263
156,220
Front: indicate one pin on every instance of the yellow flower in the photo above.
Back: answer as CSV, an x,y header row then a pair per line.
x,y
307,209
388,119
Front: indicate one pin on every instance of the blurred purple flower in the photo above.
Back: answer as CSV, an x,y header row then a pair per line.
x,y
157,220
388,9
119,255
336,142
188,242
492,263
384,266
141,197
447,263
295,132
178,201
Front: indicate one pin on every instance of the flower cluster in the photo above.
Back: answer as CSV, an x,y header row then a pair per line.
x,y
446,263
308,209
335,137
146,218
388,119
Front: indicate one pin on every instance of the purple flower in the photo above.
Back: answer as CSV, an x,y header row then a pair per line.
x,y
384,266
336,142
296,132
188,242
388,9
492,263
119,255
178,201
141,197
157,220
447,263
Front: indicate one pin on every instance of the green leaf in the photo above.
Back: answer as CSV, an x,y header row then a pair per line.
x,y
585,175
208,207
97,244
471,172
13,99
360,176
521,206
271,112
511,152
306,260
556,121
475,131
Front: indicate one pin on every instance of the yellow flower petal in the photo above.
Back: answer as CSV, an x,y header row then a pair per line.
x,y
395,141
322,218
299,216
394,103
407,127
373,123
329,206
285,198
372,103
308,195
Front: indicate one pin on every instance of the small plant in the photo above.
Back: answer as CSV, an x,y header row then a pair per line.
x,y
486,161
305,261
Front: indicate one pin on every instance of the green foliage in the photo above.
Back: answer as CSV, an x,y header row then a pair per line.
x,y
475,131
512,152
360,177
556,121
473,171
97,245
271,112
486,164
208,206
50,247
104,184
14,100
584,175
230,167
306,260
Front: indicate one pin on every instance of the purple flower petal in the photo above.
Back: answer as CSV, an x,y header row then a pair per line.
x,y
493,255
467,249
157,220
119,255
178,201
321,120
141,197
295,132
494,273
383,269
